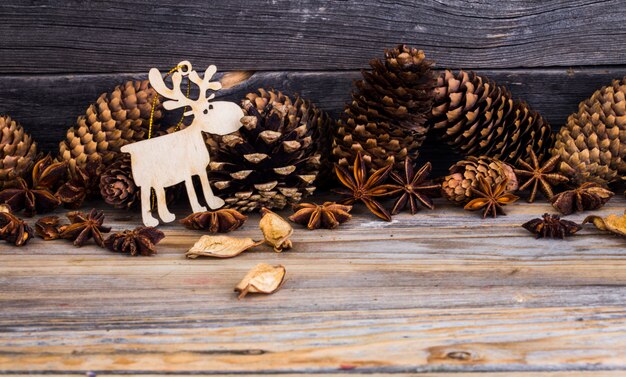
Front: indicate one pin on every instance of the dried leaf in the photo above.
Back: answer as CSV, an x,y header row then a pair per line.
x,y
612,223
276,230
5,208
263,278
220,246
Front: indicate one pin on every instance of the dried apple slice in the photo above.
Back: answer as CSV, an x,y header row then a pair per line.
x,y
220,246
263,278
612,223
276,230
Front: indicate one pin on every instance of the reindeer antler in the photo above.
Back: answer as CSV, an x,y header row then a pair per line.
x,y
176,96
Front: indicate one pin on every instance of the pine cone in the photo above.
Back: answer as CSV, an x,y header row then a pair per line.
x,y
592,144
18,151
117,186
478,118
387,119
465,174
274,159
116,119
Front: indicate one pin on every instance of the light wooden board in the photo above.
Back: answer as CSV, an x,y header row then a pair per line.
x,y
438,293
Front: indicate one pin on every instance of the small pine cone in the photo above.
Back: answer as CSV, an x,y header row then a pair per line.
x,y
274,159
592,145
117,186
387,118
478,118
116,119
18,151
465,174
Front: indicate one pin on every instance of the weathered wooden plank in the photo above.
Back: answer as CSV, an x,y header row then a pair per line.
x,y
439,292
48,104
356,372
96,37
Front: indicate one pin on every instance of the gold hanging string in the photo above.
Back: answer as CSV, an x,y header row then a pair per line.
x,y
151,122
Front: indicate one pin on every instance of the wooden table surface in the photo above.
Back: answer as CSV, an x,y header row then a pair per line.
x,y
442,293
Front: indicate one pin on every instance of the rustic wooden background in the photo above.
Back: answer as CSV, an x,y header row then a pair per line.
x,y
441,293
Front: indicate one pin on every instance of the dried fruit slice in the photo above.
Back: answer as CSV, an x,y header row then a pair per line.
x,y
263,278
276,230
220,246
612,223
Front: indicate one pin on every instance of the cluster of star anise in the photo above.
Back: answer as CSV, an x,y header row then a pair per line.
x,y
50,185
542,177
410,188
85,226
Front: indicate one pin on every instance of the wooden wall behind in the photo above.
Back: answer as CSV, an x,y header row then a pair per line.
x,y
57,56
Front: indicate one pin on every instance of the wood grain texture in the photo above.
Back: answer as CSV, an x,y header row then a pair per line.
x,y
440,292
48,104
52,36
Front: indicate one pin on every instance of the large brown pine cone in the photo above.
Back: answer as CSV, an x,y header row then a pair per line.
x,y
117,118
478,118
592,144
466,174
274,159
116,184
387,118
18,151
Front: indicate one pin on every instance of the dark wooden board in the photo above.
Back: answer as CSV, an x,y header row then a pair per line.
x,y
132,36
48,104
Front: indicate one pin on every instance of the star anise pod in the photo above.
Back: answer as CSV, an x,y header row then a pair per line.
x,y
551,226
413,188
539,176
49,228
14,230
48,174
328,215
490,199
85,226
83,183
219,221
32,200
361,188
140,241
587,196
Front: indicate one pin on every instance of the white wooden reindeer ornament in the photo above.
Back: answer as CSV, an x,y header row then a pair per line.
x,y
170,159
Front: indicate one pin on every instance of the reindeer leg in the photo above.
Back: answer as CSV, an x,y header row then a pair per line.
x,y
193,199
213,201
146,216
164,213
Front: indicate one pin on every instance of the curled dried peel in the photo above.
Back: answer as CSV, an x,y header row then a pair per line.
x,y
612,223
263,278
276,230
220,246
